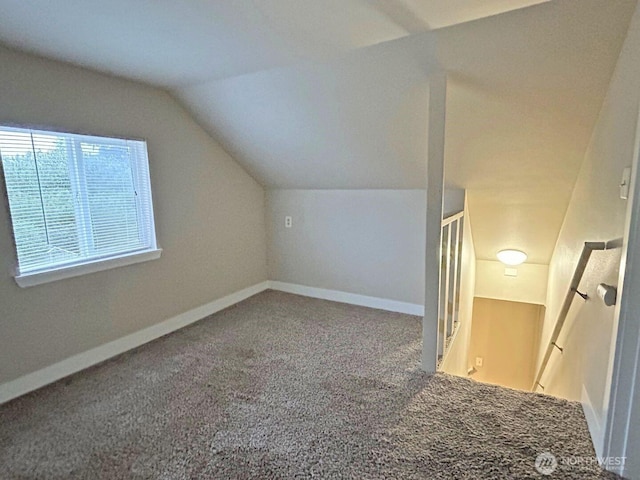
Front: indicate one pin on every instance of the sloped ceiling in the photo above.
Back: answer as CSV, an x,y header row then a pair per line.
x,y
176,43
332,94
525,92
358,121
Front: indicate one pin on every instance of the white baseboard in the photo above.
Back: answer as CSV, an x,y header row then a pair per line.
x,y
350,298
64,368
596,426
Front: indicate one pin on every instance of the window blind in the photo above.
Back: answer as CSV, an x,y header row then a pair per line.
x,y
75,199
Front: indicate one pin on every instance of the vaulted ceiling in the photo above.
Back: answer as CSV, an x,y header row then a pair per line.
x,y
333,93
176,43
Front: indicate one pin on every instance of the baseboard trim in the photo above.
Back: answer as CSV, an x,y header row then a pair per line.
x,y
69,366
76,363
350,298
594,423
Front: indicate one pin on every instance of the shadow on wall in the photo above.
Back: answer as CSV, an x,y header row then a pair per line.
x,y
505,337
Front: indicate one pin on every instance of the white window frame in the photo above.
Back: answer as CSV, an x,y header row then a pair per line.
x,y
96,264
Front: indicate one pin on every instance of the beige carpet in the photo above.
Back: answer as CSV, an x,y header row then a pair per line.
x,y
282,386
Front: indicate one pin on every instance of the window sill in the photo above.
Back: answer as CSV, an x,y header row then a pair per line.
x,y
38,278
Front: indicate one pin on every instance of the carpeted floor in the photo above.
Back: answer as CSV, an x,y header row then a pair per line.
x,y
282,386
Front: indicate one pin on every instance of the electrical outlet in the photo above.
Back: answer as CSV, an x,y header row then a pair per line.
x,y
479,361
288,222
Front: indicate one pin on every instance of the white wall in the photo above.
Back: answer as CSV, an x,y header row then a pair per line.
x,y
530,286
456,360
506,336
453,201
368,242
595,213
209,216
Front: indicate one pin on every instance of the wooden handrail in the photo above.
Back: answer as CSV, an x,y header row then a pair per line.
x,y
573,290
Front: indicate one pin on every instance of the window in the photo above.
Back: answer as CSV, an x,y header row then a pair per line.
x,y
78,203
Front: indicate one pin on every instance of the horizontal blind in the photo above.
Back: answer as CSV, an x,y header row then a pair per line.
x,y
75,198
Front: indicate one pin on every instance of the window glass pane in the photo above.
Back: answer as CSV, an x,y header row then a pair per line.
x,y
21,178
111,197
75,199
52,161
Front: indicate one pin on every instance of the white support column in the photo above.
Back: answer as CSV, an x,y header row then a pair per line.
x,y
435,180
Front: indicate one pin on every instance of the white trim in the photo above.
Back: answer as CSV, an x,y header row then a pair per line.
x,y
452,218
52,373
447,350
594,422
621,409
38,278
350,298
81,361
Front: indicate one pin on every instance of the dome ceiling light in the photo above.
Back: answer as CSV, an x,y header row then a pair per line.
x,y
512,257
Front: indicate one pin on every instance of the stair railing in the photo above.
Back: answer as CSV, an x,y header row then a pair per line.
x,y
587,249
450,270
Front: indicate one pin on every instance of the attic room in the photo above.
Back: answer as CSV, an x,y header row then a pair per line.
x,y
259,239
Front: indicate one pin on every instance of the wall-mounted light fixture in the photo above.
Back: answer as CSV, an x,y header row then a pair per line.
x,y
512,257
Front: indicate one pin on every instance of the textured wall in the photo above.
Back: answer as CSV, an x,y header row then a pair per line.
x,y
530,286
506,336
595,213
209,218
369,242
